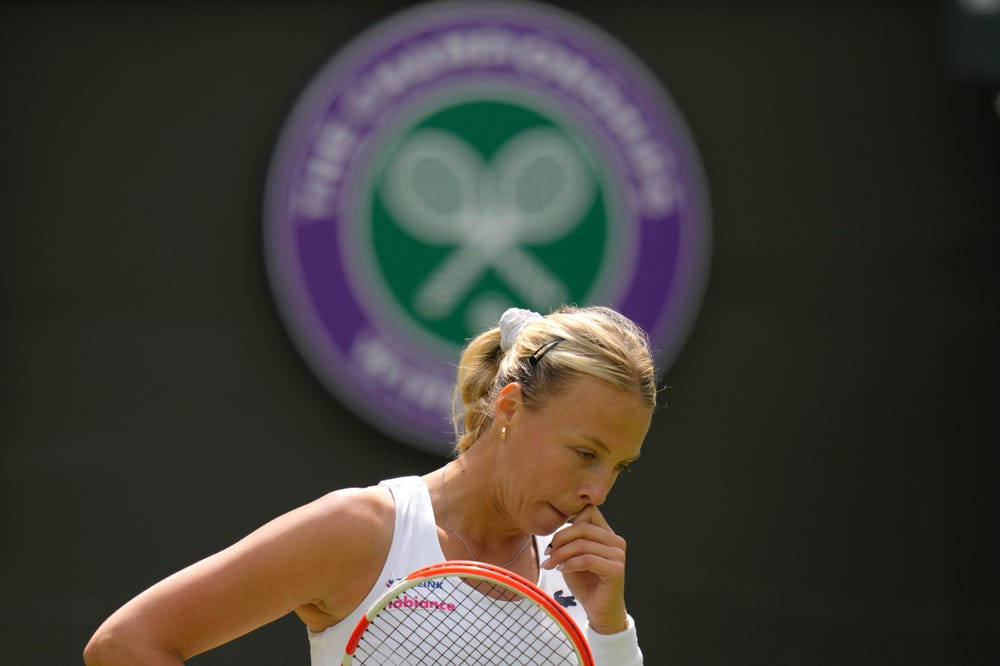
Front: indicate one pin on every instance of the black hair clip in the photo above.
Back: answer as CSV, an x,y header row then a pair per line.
x,y
542,351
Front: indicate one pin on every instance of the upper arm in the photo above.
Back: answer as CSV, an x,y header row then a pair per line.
x,y
311,553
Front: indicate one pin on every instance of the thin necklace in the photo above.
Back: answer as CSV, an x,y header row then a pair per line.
x,y
444,512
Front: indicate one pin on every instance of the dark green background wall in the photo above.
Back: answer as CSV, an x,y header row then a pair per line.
x,y
820,488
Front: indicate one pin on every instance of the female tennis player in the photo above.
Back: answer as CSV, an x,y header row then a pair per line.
x,y
549,411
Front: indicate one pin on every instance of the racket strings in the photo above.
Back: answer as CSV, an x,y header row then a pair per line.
x,y
533,623
456,621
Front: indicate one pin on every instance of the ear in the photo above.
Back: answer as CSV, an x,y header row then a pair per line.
x,y
508,402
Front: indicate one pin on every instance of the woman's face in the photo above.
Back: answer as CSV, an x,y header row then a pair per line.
x,y
565,455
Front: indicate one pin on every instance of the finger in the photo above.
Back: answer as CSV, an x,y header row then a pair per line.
x,y
607,569
580,547
587,531
591,514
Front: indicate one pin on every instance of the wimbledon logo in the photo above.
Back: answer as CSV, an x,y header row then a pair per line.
x,y
460,159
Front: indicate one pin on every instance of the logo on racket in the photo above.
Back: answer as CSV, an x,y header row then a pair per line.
x,y
407,602
457,160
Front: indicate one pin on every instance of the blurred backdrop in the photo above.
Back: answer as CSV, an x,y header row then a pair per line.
x,y
819,488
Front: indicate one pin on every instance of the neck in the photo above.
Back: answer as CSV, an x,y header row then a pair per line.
x,y
468,490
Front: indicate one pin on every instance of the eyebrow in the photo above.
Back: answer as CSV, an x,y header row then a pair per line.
x,y
604,447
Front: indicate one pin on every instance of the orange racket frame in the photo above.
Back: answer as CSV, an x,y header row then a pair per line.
x,y
481,571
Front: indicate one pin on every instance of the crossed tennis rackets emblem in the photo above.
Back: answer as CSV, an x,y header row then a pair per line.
x,y
535,190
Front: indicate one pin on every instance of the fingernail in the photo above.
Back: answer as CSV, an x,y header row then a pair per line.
x,y
548,548
545,562
561,566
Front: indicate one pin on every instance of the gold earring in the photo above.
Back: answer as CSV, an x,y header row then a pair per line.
x,y
503,433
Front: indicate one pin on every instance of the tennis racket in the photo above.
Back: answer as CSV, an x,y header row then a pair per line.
x,y
463,612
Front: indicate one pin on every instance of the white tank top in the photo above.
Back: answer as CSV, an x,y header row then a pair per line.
x,y
415,544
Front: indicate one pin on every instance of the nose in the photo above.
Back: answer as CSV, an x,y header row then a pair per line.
x,y
595,488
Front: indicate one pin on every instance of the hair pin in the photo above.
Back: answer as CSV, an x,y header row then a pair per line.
x,y
540,353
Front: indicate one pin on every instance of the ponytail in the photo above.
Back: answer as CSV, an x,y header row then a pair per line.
x,y
472,402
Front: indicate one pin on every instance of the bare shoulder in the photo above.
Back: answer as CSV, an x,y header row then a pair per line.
x,y
370,507
354,528
350,530
354,524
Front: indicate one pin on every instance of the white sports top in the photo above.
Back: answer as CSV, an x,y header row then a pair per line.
x,y
415,544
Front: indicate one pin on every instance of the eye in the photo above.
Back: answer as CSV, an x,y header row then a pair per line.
x,y
585,454
624,467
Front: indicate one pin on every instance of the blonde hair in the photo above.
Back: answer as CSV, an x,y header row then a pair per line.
x,y
571,342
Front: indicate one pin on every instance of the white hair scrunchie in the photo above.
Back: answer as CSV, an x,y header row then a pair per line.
x,y
511,323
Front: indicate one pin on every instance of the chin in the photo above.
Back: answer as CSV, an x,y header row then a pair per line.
x,y
553,520
546,529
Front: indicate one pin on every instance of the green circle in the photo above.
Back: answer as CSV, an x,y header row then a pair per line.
x,y
405,262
